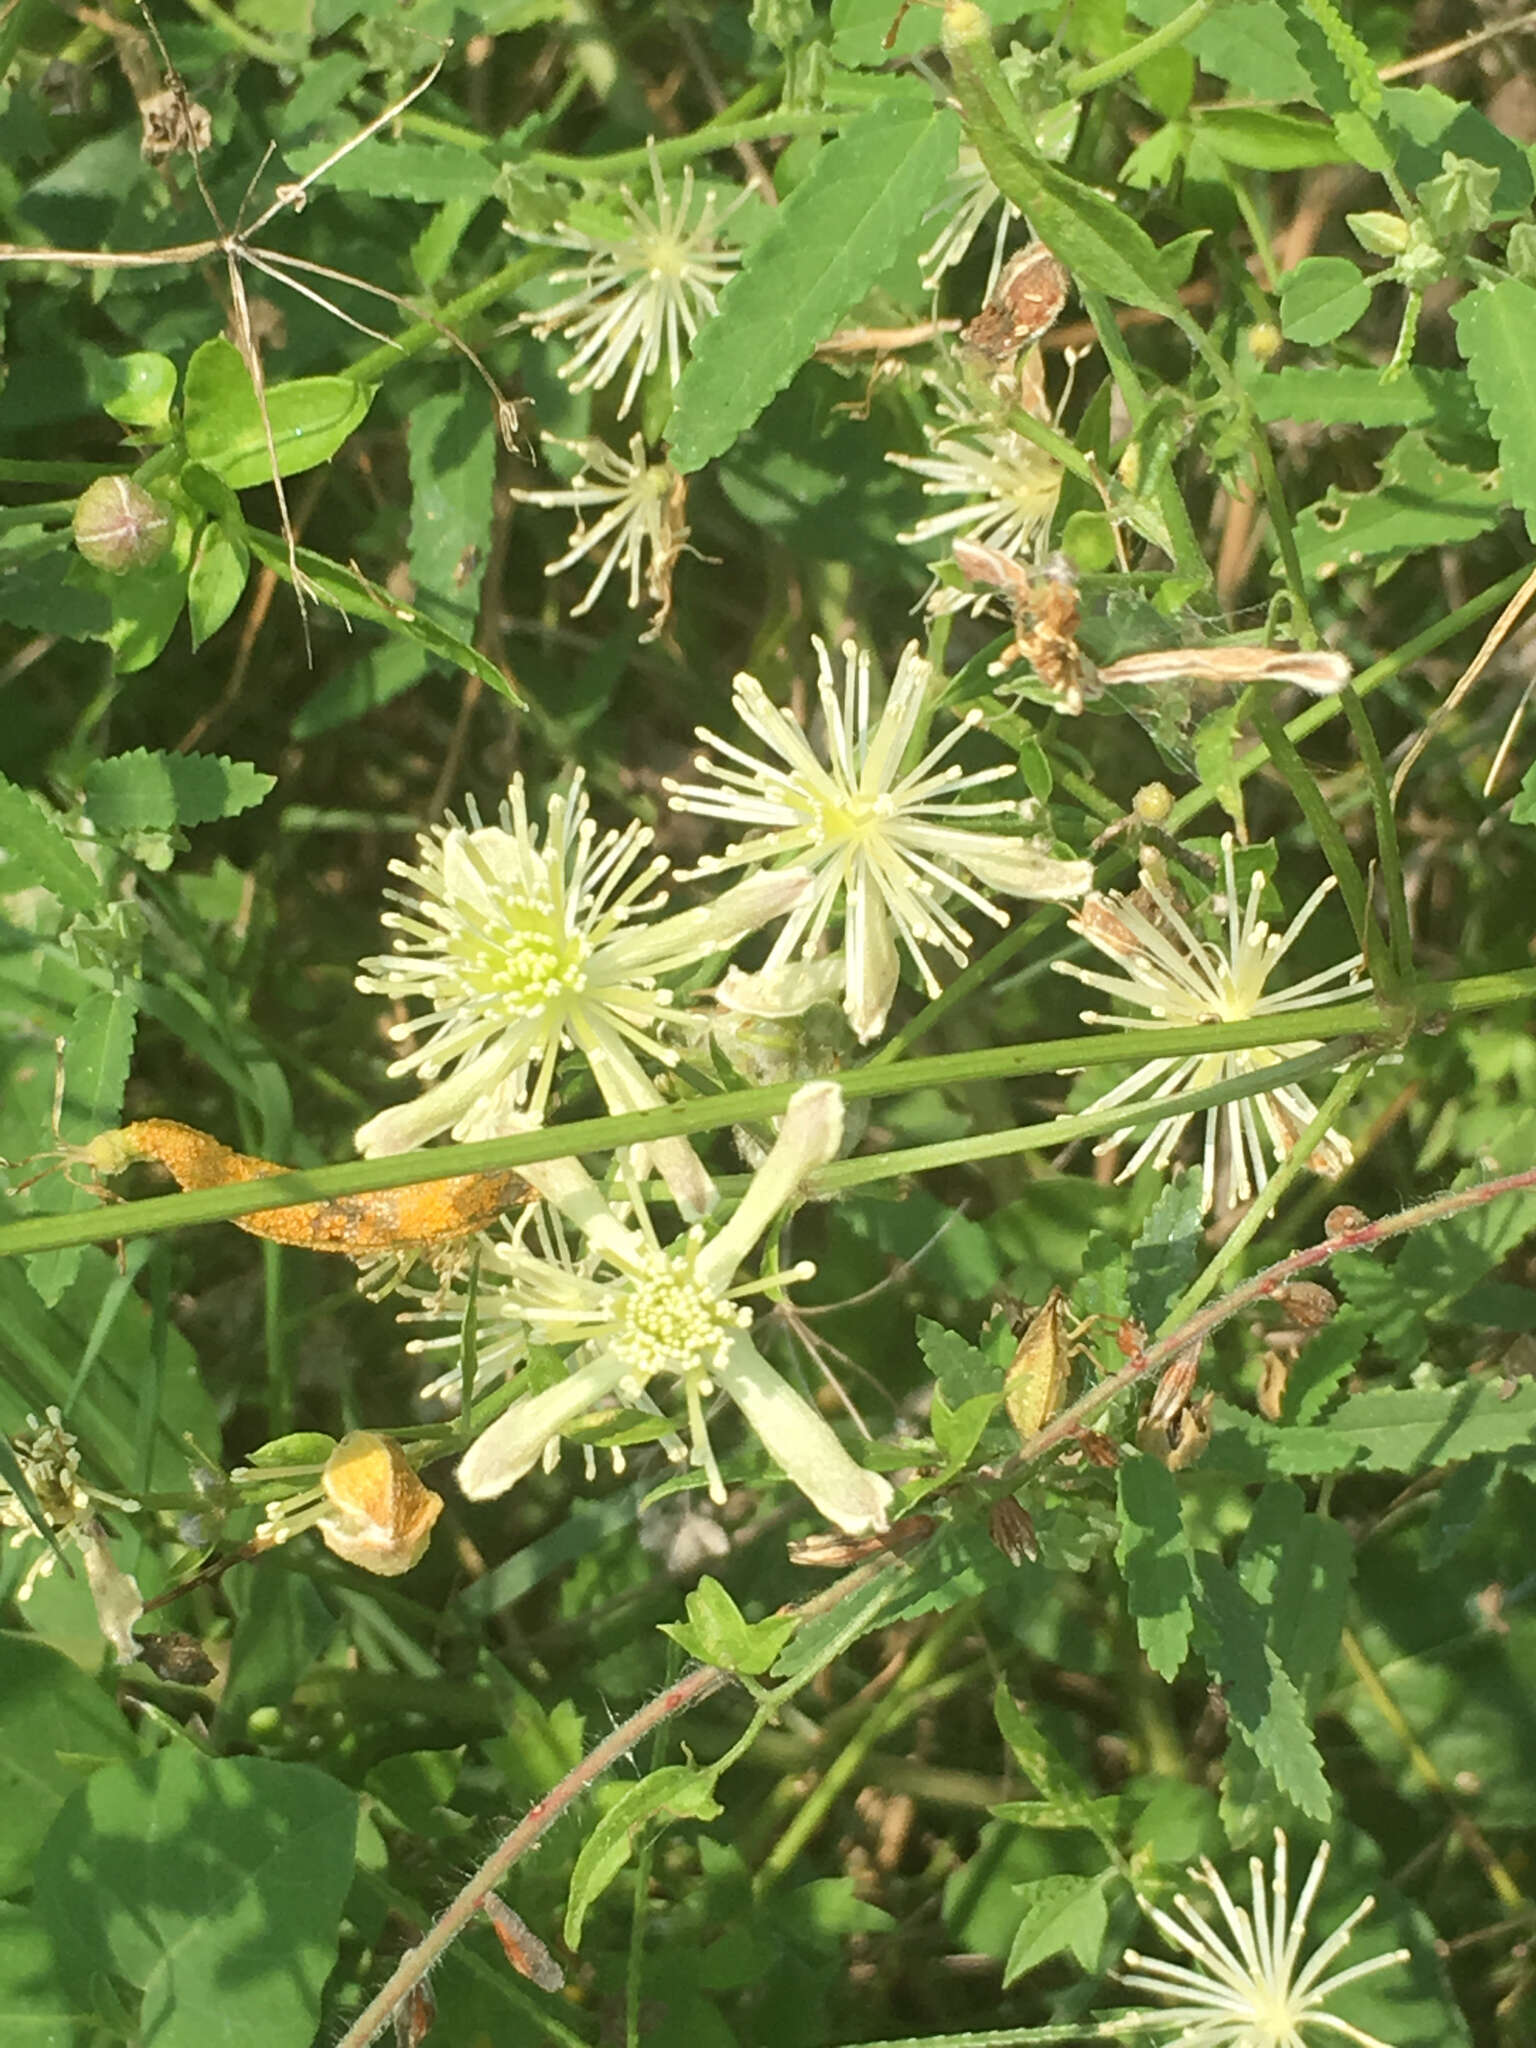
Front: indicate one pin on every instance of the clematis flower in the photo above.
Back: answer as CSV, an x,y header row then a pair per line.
x,y
889,846
1252,1990
644,503
969,195
525,946
49,1462
1177,977
363,1497
640,292
634,1310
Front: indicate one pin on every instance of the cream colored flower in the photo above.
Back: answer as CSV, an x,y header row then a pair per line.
x,y
633,1310
1250,1988
644,504
1177,977
889,846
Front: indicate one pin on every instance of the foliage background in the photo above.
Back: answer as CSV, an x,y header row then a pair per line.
x,y
1327,1621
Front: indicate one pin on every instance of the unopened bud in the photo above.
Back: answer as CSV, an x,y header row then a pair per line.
x,y
1264,341
1384,234
118,526
1308,1304
1344,1219
1152,803
1098,1449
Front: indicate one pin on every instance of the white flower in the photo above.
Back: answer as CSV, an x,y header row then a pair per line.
x,y
49,1462
639,293
523,948
645,505
1179,978
968,197
1252,1991
886,843
1007,487
641,1309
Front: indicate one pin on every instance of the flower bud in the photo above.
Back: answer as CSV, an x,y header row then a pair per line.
x,y
1344,1219
1152,803
1264,341
1308,1304
118,526
1383,234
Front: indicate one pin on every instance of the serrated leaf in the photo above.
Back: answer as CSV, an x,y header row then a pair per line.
x,y
1298,1567
1262,139
1246,42
1422,501
155,792
53,593
1061,1913
1322,298
1493,332
833,238
1155,1556
1344,396
675,1792
1402,1429
452,447
1062,1798
1262,1702
97,1052
957,1431
960,1370
221,417
1163,1258
38,854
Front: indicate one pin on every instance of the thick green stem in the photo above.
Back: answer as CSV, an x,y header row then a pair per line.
x,y
1165,38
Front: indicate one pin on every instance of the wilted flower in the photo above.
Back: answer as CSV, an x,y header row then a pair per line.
x,y
640,1309
49,1461
363,1496
887,844
639,292
524,947
1253,1991
645,505
1006,486
1180,978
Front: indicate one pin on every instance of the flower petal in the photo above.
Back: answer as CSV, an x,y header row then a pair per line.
x,y
802,1445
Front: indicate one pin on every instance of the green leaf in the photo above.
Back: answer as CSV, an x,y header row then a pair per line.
x,y
1322,298
218,575
1401,1429
54,592
1342,396
1262,139
375,678
1493,331
201,1881
957,1431
1154,1554
1167,1247
38,854
675,1792
353,594
145,792
1062,1914
1246,42
1429,126
1063,1799
35,2010
221,418
717,1632
960,1370
56,1725
97,1052
1298,1567
1262,1702
136,390
832,239
1422,501
430,173
452,444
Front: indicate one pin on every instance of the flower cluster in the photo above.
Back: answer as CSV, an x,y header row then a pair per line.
x,y
49,1463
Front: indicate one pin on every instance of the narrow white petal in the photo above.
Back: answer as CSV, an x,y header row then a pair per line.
x,y
803,1445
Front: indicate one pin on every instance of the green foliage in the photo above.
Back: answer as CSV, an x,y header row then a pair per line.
x,y
910,1719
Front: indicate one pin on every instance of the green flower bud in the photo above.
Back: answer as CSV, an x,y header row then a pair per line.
x,y
1384,234
118,526
1264,341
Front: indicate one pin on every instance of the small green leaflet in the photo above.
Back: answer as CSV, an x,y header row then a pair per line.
x,y
1262,1700
1422,501
38,855
1343,396
154,792
1400,1429
1494,326
834,237
1154,1554
430,173
1322,298
221,417
1246,42
718,1633
675,1792
1061,1913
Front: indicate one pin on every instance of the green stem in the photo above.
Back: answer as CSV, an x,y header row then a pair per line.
x,y
1279,514
370,368
1164,38
1314,807
1400,964
681,149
